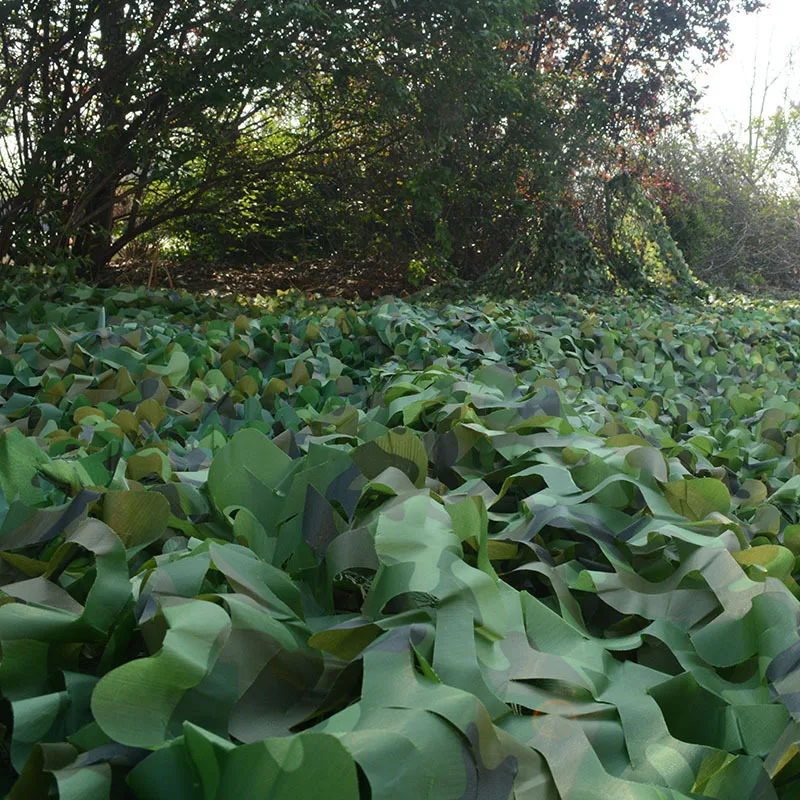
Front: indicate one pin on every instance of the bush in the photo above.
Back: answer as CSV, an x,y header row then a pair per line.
x,y
733,210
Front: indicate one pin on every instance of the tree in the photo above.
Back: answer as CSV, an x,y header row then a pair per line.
x,y
119,116
443,127
734,211
415,163
733,201
626,66
612,75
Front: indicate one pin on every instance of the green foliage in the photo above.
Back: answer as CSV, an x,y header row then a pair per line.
x,y
613,68
632,247
543,549
552,253
731,207
318,130
112,107
641,247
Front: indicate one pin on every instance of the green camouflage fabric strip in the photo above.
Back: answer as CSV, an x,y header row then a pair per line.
x,y
543,550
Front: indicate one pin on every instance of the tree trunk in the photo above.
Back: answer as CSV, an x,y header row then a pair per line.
x,y
94,243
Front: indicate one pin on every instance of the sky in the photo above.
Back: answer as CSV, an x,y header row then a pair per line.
x,y
765,40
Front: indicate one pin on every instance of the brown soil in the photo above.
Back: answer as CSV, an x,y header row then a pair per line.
x,y
320,278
